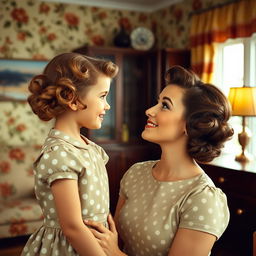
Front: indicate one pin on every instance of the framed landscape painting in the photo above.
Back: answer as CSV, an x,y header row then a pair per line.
x,y
15,75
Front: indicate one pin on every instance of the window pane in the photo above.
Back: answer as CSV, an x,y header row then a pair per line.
x,y
233,66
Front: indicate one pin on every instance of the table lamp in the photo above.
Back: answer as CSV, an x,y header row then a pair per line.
x,y
243,103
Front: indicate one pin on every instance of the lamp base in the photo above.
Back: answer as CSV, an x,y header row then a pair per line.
x,y
242,158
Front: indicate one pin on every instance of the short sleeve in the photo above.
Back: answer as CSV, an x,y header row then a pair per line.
x,y
58,162
206,210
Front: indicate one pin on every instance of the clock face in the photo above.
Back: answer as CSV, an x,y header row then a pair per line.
x,y
142,38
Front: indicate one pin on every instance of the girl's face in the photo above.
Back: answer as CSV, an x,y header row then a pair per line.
x,y
96,102
165,123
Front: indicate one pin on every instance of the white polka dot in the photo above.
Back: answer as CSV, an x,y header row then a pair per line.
x,y
157,232
95,218
97,192
203,200
50,236
86,154
66,137
50,171
206,226
189,201
42,166
195,208
50,197
154,246
85,211
44,251
166,226
56,133
46,156
210,210
52,210
76,143
55,148
63,153
54,161
91,202
190,223
89,172
38,238
52,223
95,179
98,206
148,237
201,218
64,167
84,181
162,242
72,162
85,196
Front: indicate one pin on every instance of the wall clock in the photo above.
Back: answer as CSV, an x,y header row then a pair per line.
x,y
142,38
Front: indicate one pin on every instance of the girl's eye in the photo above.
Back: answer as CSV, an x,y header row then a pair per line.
x,y
165,105
103,96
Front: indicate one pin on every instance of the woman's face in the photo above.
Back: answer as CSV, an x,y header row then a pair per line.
x,y
166,123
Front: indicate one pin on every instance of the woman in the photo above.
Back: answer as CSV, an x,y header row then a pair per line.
x,y
170,206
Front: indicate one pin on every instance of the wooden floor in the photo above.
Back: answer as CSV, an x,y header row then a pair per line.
x,y
12,246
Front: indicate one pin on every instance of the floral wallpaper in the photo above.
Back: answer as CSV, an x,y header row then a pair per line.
x,y
40,30
35,29
20,126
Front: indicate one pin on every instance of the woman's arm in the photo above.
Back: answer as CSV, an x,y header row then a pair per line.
x,y
67,201
188,242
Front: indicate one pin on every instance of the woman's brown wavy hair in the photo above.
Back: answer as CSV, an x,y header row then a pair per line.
x,y
207,112
64,80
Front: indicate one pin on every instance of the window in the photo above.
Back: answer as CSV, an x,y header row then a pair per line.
x,y
236,67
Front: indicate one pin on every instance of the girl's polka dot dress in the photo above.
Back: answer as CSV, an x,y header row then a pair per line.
x,y
63,157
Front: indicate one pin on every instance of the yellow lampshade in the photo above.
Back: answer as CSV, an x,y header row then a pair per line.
x,y
243,101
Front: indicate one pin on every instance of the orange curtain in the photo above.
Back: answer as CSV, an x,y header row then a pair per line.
x,y
216,26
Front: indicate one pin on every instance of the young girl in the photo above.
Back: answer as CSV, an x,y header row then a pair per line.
x,y
71,182
170,206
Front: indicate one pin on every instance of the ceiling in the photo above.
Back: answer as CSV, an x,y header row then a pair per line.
x,y
135,5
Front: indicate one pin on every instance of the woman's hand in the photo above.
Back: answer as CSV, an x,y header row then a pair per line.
x,y
107,238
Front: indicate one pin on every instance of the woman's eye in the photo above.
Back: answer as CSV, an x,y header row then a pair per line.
x,y
103,96
165,105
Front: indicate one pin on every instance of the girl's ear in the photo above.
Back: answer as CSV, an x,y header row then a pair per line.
x,y
74,105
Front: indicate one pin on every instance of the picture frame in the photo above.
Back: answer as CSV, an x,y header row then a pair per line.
x,y
15,75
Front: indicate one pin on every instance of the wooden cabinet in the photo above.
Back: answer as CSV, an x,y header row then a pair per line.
x,y
239,184
167,58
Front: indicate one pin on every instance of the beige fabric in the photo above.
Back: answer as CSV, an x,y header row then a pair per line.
x,y
63,157
154,210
